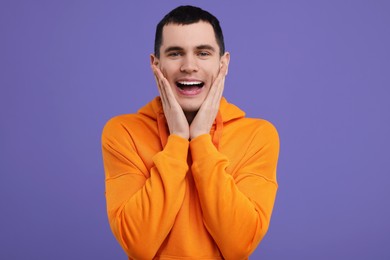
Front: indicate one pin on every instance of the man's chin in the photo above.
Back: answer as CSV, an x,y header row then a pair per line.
x,y
190,109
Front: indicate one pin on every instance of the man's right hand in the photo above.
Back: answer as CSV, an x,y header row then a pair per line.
x,y
177,121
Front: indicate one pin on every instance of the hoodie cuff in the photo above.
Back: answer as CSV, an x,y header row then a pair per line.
x,y
202,146
176,147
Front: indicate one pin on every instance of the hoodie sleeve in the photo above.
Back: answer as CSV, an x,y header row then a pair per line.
x,y
142,210
237,210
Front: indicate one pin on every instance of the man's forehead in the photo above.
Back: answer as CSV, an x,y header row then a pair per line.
x,y
195,34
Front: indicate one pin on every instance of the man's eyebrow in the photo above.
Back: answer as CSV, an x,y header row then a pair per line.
x,y
199,47
205,47
173,48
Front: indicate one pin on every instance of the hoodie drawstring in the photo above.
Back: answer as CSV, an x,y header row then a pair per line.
x,y
162,129
218,130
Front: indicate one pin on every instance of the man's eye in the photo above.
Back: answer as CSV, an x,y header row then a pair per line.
x,y
174,54
204,54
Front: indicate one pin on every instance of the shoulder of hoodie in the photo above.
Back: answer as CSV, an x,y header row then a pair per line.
x,y
232,114
260,127
124,123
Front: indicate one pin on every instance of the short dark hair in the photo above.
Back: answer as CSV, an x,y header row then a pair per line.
x,y
185,15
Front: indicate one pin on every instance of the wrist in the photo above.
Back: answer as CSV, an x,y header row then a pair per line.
x,y
194,135
182,135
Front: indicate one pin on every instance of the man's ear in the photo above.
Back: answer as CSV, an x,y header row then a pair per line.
x,y
225,59
154,60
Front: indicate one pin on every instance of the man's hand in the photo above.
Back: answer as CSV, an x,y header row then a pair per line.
x,y
177,122
208,111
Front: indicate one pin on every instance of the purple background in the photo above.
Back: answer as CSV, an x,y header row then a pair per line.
x,y
319,70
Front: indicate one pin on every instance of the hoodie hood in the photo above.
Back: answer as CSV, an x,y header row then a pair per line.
x,y
227,112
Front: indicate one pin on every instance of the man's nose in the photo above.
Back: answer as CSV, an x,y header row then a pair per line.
x,y
189,64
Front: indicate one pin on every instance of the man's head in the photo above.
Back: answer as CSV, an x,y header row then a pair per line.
x,y
185,15
189,51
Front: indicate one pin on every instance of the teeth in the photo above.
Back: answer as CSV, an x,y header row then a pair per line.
x,y
190,83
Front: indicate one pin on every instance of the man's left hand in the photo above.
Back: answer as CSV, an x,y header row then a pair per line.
x,y
205,117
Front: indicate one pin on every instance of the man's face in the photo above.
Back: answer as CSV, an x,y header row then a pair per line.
x,y
190,60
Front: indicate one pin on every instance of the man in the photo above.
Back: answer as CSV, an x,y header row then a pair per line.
x,y
188,176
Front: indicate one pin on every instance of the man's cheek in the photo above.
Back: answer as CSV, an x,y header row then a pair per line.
x,y
164,71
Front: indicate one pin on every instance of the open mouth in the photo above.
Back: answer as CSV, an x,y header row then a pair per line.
x,y
189,87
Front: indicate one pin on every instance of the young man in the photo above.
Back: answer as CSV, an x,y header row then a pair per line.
x,y
188,176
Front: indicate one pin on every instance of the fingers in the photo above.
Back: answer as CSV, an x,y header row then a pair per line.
x,y
220,79
163,87
158,83
216,90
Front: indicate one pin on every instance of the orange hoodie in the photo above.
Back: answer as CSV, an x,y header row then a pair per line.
x,y
208,198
